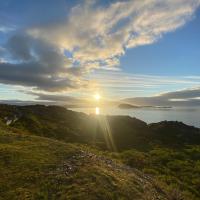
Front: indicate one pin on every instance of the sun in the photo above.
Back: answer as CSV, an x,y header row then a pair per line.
x,y
97,97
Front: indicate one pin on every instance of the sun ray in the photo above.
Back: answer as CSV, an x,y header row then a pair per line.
x,y
97,111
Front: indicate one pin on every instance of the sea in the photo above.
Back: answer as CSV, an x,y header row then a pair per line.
x,y
189,116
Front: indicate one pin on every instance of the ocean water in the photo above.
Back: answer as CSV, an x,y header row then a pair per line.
x,y
189,116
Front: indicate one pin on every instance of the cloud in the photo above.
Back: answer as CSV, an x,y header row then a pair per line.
x,y
5,24
182,98
119,83
6,29
19,47
187,97
37,64
56,99
183,94
94,35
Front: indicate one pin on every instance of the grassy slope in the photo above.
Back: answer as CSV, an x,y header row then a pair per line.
x,y
179,169
167,151
33,167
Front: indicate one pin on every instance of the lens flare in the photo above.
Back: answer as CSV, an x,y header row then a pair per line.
x,y
97,110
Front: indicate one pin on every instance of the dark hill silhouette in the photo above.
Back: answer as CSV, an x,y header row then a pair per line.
x,y
126,132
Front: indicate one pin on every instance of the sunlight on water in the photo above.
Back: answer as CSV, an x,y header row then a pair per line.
x,y
150,115
97,111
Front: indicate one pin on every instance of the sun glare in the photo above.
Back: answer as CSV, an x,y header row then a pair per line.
x,y
97,110
97,97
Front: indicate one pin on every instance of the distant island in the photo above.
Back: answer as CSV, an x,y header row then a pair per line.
x,y
127,106
130,106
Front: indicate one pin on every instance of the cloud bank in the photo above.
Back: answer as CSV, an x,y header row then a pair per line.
x,y
187,97
57,56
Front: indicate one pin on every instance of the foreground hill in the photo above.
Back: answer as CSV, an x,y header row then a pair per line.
x,y
49,152
33,167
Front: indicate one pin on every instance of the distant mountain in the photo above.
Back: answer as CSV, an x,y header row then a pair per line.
x,y
49,152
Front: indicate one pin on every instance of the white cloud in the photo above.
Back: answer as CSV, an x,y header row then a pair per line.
x,y
6,29
94,33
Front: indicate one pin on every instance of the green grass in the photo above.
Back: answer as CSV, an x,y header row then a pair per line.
x,y
33,167
25,162
174,167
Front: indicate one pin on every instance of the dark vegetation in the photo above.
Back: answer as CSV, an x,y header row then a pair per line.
x,y
48,152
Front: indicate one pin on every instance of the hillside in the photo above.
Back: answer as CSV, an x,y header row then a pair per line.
x,y
49,152
126,132
39,168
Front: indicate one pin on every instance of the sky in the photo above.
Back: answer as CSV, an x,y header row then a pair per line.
x,y
144,52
